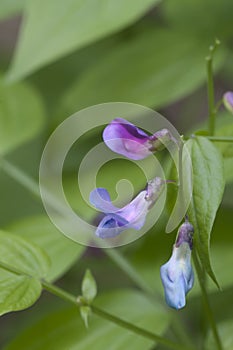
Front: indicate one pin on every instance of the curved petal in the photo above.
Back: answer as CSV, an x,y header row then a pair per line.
x,y
101,200
228,100
111,226
177,276
135,212
125,138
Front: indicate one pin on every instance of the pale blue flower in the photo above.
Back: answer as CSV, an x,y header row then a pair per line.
x,y
177,274
132,215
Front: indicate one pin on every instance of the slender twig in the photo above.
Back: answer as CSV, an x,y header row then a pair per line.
x,y
210,87
62,294
129,269
220,138
206,303
112,318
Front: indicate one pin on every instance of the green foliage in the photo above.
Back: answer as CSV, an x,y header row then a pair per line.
x,y
147,69
208,187
22,115
76,53
62,251
65,329
225,331
52,30
19,291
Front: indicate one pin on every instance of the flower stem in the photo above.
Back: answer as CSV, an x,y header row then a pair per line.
x,y
131,272
206,303
220,138
210,87
112,318
62,294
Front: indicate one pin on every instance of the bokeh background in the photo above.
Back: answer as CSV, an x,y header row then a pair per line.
x,y
59,57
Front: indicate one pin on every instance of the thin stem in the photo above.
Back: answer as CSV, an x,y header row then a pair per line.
x,y
206,302
62,294
32,186
19,176
220,138
114,319
131,272
210,88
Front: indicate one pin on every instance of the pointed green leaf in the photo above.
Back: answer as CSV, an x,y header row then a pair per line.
x,y
208,188
21,115
18,291
52,30
62,251
89,286
65,329
147,68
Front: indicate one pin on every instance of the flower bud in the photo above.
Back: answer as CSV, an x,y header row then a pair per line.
x,y
177,274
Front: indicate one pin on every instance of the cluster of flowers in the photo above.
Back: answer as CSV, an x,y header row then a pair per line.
x,y
126,139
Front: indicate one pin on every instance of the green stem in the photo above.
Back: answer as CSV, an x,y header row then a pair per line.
x,y
20,177
31,185
206,302
210,88
62,294
220,138
114,319
131,272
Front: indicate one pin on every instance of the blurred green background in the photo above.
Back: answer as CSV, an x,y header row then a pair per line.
x,y
59,57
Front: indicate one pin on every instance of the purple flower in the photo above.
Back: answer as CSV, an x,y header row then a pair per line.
x,y
133,215
177,274
125,138
228,100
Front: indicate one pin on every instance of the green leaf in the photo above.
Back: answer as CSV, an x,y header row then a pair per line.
x,y
10,8
89,286
18,291
51,31
62,251
226,148
154,67
185,16
208,188
21,115
65,329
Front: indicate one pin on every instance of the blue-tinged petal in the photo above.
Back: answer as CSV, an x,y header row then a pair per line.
x,y
101,200
111,226
228,100
177,274
125,138
133,215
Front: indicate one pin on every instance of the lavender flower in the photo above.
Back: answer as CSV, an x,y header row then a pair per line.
x,y
133,215
177,274
228,101
125,138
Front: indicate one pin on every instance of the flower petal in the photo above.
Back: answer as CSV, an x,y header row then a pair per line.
x,y
228,100
111,226
125,138
101,200
177,276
